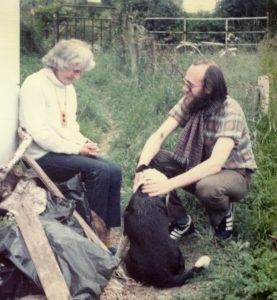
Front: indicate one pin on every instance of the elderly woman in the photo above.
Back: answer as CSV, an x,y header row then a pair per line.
x,y
48,106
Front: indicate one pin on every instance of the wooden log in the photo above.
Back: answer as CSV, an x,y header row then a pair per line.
x,y
24,144
51,278
54,189
122,247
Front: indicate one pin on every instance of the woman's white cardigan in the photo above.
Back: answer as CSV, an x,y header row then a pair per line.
x,y
40,115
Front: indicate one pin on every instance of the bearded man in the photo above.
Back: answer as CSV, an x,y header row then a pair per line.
x,y
212,159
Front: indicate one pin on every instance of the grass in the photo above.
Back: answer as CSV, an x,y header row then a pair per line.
x,y
113,100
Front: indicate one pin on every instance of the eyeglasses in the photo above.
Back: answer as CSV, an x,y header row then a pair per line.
x,y
191,85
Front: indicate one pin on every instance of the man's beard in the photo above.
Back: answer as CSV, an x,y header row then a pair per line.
x,y
199,102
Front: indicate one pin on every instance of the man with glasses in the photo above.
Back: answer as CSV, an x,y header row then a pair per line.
x,y
212,159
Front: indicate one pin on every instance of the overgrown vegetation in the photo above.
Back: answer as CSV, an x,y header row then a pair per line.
x,y
116,101
39,20
133,105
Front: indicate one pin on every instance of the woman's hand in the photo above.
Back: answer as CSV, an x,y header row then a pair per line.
x,y
90,149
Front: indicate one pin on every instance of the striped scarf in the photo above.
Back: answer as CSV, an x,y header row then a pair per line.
x,y
189,149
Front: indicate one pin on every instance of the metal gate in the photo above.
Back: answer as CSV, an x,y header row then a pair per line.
x,y
92,30
248,31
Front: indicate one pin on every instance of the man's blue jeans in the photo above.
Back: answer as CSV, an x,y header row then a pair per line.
x,y
101,178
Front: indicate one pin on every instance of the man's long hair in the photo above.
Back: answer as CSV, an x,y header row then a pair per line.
x,y
214,80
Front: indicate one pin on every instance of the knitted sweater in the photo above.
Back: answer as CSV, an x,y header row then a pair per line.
x,y
41,98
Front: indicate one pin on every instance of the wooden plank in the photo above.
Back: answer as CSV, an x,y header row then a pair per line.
x,y
41,253
21,204
54,189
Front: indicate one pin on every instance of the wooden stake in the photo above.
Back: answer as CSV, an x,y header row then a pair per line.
x,y
263,84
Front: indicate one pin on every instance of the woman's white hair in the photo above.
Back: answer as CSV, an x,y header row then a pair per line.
x,y
69,53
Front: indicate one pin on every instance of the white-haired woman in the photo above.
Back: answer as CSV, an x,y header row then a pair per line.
x,y
48,106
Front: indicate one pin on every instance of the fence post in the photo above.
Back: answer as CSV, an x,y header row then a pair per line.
x,y
132,46
56,27
185,30
101,32
267,25
263,84
92,31
226,33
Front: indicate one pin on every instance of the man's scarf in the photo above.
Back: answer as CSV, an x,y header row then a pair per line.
x,y
190,145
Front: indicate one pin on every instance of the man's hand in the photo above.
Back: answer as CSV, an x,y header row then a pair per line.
x,y
90,149
155,183
137,181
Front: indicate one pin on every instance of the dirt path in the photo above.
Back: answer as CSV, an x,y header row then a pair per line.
x,y
109,137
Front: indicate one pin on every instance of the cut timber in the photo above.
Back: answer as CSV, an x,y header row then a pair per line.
x,y
263,84
122,247
51,278
53,189
24,144
41,253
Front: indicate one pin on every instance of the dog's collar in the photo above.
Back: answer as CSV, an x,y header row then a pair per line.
x,y
166,200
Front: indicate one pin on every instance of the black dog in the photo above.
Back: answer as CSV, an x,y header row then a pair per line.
x,y
153,257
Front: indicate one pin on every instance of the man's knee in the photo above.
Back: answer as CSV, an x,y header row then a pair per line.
x,y
205,189
211,194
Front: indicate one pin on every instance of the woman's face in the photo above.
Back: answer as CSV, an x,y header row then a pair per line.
x,y
68,76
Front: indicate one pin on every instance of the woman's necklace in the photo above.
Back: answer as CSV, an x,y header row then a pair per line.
x,y
62,107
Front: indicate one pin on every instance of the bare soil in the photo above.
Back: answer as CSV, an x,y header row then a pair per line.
x,y
122,287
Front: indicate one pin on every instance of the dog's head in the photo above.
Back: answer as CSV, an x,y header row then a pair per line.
x,y
148,174
142,203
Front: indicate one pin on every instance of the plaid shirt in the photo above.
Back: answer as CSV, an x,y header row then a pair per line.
x,y
228,122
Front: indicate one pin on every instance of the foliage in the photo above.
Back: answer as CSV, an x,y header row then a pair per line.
x,y
36,25
240,8
129,106
38,21
150,8
267,143
238,274
140,103
249,8
7,219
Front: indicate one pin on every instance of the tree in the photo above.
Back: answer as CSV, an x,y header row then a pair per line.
x,y
241,8
249,8
147,8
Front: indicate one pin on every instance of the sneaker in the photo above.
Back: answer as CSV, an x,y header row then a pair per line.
x,y
178,230
225,229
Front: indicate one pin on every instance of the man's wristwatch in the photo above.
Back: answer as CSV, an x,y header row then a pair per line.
x,y
141,168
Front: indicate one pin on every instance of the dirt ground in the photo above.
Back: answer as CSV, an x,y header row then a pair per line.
x,y
124,288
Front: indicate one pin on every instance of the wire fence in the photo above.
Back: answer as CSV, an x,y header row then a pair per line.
x,y
216,32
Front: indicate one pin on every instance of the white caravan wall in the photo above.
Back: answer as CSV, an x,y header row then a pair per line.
x,y
9,77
